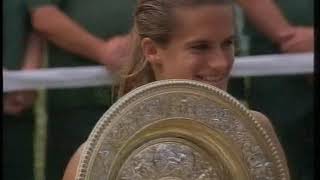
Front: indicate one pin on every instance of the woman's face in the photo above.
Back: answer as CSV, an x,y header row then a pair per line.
x,y
201,47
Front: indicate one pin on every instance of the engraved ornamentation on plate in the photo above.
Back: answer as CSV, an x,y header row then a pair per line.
x,y
118,152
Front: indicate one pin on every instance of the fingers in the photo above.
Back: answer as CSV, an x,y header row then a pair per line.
x,y
27,98
11,105
117,49
286,35
290,45
16,102
301,41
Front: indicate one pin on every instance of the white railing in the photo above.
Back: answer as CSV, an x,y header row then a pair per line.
x,y
75,77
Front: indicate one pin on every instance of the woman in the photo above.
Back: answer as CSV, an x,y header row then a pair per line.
x,y
180,39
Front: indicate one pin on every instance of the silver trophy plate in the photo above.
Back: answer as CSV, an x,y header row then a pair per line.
x,y
180,130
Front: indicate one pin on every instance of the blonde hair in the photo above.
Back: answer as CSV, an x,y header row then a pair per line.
x,y
153,19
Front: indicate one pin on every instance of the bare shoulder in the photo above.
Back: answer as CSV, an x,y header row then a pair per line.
x,y
259,115
267,125
71,169
263,120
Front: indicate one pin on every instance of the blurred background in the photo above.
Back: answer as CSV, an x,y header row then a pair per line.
x,y
50,105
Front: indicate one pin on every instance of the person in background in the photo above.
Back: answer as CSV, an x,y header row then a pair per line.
x,y
274,27
79,33
195,42
22,50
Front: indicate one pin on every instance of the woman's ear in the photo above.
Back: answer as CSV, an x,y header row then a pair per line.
x,y
150,51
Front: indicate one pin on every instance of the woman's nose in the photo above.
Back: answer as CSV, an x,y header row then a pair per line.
x,y
220,62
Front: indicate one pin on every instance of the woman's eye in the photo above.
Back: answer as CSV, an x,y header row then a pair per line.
x,y
200,47
227,44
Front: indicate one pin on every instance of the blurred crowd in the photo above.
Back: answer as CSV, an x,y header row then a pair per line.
x,y
69,33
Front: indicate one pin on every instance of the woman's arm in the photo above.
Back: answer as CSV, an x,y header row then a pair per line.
x,y
58,28
71,169
267,17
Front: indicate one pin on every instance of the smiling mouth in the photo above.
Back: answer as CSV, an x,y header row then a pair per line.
x,y
212,80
